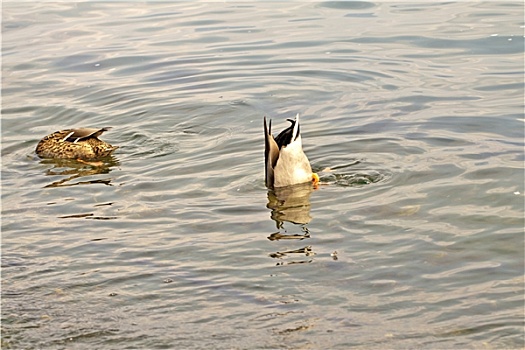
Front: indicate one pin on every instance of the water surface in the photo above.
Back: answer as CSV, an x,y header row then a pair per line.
x,y
412,113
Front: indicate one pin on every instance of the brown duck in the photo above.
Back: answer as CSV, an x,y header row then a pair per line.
x,y
80,143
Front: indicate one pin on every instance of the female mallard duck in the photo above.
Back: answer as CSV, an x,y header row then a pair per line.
x,y
80,143
286,163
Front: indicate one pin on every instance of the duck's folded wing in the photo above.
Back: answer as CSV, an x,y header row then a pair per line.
x,y
271,153
84,133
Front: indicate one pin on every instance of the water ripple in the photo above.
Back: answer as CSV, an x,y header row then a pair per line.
x,y
411,114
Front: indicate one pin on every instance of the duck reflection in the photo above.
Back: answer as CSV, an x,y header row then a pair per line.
x,y
291,204
77,168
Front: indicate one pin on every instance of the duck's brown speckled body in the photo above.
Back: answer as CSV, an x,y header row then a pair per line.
x,y
80,143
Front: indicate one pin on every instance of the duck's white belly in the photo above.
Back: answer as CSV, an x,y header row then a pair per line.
x,y
292,167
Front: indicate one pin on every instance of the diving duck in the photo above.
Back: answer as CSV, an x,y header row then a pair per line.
x,y
80,143
285,162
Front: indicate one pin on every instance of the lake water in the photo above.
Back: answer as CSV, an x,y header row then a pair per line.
x,y
412,113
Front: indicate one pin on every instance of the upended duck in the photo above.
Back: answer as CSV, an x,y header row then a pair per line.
x,y
80,143
285,161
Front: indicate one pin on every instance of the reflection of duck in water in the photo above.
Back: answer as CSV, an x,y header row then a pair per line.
x,y
285,161
291,204
71,169
80,143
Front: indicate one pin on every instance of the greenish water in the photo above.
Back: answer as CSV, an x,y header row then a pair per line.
x,y
412,113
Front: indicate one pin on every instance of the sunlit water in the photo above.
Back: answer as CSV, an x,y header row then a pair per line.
x,y
411,113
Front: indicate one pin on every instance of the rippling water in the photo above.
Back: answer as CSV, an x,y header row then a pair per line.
x,y
411,113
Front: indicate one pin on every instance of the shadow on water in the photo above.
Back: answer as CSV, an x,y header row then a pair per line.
x,y
291,204
76,169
